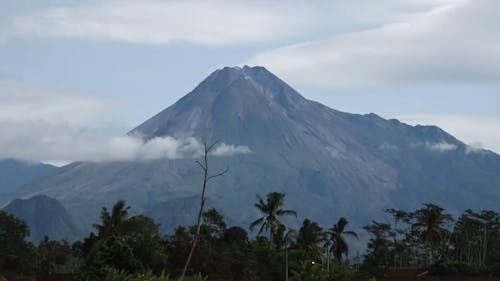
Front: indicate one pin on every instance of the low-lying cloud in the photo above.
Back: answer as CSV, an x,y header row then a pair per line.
x,y
441,146
65,146
44,126
480,132
476,147
225,150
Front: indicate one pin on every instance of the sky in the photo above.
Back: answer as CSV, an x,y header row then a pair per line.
x,y
75,76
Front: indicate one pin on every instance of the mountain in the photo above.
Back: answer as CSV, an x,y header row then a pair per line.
x,y
329,163
44,216
14,174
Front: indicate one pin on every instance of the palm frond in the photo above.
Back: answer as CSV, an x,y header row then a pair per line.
x,y
286,213
256,223
351,233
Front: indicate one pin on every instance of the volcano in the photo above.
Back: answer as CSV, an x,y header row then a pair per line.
x,y
328,163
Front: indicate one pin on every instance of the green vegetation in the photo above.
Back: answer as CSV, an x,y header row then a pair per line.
x,y
131,248
429,238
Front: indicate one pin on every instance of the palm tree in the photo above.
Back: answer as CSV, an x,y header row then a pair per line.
x,y
112,223
272,210
398,215
336,240
310,236
112,226
431,219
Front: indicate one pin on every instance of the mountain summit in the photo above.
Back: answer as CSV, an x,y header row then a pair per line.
x,y
225,101
329,163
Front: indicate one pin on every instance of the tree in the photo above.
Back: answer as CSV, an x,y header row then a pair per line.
x,y
399,215
214,223
206,178
131,244
474,237
430,221
309,238
15,252
337,235
55,257
272,210
112,223
379,249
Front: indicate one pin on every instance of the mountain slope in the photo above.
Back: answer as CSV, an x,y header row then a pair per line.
x,y
14,174
44,216
329,163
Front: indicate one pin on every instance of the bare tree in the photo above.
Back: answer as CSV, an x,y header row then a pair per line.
x,y
206,178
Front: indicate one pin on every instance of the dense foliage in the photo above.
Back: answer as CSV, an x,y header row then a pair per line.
x,y
429,238
125,247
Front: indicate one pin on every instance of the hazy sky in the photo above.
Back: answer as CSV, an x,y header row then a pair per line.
x,y
76,74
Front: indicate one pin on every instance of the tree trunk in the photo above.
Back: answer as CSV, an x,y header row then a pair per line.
x,y
206,179
198,226
327,260
286,262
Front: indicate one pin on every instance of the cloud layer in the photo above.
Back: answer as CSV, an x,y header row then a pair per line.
x,y
454,42
164,22
45,126
60,146
217,23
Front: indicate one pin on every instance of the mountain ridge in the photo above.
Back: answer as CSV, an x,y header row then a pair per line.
x,y
329,163
45,216
15,173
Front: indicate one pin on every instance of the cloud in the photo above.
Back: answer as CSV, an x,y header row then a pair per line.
x,y
474,148
60,144
129,148
220,22
455,41
227,150
216,23
435,146
441,146
477,131
388,147
40,125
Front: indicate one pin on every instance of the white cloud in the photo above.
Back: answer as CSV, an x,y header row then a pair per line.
x,y
53,143
441,146
227,150
45,126
388,147
477,131
474,148
456,41
220,22
435,146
